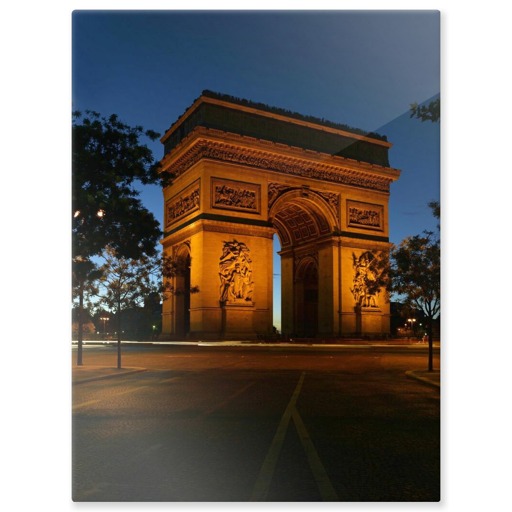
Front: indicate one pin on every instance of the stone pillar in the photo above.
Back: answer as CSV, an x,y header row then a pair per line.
x,y
287,293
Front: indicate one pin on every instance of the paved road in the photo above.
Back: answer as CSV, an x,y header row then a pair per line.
x,y
241,424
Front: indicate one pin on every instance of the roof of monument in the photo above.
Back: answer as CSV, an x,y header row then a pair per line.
x,y
247,118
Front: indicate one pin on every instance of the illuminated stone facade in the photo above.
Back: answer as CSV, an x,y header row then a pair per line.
x,y
242,173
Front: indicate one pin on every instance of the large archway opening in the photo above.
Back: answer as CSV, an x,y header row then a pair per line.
x,y
302,223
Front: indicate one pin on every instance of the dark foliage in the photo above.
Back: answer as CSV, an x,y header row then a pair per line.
x,y
108,160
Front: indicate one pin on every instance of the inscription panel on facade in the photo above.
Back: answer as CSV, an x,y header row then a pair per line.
x,y
187,201
236,195
365,215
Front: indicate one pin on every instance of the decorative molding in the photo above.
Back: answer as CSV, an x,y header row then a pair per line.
x,y
332,199
185,244
311,255
235,195
365,215
275,190
187,201
271,161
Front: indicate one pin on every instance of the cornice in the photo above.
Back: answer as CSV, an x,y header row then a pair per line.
x,y
204,143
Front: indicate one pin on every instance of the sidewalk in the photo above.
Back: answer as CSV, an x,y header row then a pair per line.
x,y
87,373
432,378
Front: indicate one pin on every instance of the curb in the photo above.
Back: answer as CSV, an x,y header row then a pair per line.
x,y
425,380
109,375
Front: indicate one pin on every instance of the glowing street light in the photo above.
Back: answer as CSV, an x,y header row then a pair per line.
x,y
104,319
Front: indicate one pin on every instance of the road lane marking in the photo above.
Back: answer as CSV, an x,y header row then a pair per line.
x,y
229,399
262,485
131,390
320,475
91,402
85,404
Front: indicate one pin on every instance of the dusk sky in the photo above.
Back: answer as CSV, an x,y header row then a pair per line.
x,y
362,69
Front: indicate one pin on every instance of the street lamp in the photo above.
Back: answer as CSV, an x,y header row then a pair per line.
x,y
104,319
411,323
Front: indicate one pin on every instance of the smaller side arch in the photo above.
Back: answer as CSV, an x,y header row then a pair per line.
x,y
181,289
306,297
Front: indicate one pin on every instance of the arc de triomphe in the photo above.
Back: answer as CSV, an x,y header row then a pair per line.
x,y
245,171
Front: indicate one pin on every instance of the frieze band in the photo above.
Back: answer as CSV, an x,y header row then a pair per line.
x,y
273,162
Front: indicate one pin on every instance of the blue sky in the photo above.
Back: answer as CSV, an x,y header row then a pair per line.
x,y
360,68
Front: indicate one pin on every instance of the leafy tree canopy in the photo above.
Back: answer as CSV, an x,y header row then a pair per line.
x,y
416,272
108,159
430,112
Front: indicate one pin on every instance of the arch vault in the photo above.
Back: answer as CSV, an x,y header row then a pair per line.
x,y
242,172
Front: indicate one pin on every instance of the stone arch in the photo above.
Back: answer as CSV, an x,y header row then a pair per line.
x,y
301,216
304,221
181,295
242,172
306,297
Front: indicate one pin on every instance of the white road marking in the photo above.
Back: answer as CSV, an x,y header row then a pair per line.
x,y
322,480
262,485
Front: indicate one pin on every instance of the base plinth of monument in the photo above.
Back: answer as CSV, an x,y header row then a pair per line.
x,y
238,319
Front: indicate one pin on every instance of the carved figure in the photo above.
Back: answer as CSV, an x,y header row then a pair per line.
x,y
364,284
235,273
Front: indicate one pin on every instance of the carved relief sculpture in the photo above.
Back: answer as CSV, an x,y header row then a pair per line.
x,y
275,190
362,215
185,202
233,195
365,288
235,273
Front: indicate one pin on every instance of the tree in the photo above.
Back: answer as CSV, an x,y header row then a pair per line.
x,y
430,244
108,160
415,274
126,283
430,112
84,274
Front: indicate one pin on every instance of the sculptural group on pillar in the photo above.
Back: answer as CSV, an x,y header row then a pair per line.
x,y
235,273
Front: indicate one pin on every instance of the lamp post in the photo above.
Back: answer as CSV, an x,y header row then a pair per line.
x,y
104,319
411,323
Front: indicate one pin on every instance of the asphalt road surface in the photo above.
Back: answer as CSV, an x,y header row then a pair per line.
x,y
257,424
